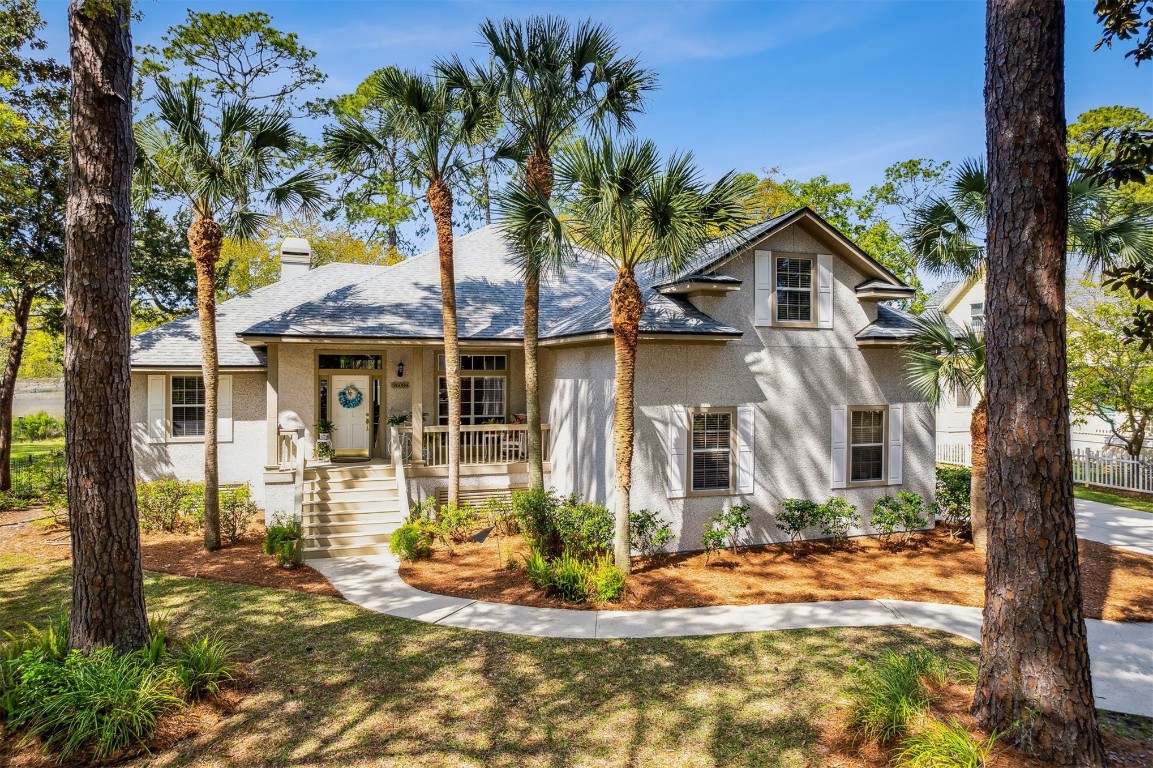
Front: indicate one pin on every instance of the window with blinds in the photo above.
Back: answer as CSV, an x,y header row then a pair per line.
x,y
794,285
187,406
866,445
711,447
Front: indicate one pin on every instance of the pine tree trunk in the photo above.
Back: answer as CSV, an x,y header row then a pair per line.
x,y
978,492
1034,672
205,240
20,314
626,304
539,177
107,581
440,203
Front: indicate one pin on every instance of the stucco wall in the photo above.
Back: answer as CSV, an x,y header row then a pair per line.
x,y
792,377
241,460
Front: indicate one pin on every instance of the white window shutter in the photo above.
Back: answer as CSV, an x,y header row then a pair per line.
x,y
824,291
744,450
224,410
896,443
157,411
678,448
840,447
763,288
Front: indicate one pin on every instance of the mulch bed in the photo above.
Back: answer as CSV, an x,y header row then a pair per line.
x,y
177,554
931,567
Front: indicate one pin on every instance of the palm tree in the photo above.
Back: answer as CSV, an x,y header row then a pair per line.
x,y
217,175
624,206
937,361
947,234
552,78
437,121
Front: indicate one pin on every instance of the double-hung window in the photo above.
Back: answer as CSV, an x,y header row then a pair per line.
x,y
483,389
711,451
867,445
187,406
795,289
977,316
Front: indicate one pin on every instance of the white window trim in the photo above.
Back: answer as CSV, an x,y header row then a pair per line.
x,y
849,445
225,421
813,277
441,383
730,490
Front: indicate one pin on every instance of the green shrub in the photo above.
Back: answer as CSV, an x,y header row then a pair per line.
x,y
648,533
723,530
499,513
607,582
952,494
796,515
104,701
837,518
538,569
413,540
535,512
282,540
456,522
941,745
584,528
237,511
39,477
906,513
37,426
570,578
172,506
202,665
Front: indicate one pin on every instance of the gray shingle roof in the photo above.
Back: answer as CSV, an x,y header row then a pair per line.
x,y
892,324
939,295
177,344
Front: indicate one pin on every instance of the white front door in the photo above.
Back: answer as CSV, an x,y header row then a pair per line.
x,y
350,408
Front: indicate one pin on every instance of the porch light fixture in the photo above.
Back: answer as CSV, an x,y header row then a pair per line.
x,y
400,370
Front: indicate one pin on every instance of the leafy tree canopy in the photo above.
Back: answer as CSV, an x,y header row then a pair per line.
x,y
1108,377
238,56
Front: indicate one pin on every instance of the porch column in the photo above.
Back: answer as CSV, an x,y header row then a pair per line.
x,y
417,394
272,405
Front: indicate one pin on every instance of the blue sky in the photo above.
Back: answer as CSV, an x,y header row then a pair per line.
x,y
839,88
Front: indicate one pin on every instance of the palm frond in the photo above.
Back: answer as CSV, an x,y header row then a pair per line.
x,y
938,360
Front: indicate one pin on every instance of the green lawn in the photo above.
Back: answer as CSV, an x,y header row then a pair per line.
x,y
20,450
1090,494
339,685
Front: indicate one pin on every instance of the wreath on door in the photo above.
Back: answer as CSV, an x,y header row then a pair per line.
x,y
350,397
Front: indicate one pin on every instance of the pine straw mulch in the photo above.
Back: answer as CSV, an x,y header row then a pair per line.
x,y
930,567
840,747
30,532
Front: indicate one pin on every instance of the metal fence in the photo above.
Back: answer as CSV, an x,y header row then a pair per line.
x,y
39,474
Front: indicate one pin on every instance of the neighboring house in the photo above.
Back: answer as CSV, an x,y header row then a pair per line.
x,y
767,369
963,303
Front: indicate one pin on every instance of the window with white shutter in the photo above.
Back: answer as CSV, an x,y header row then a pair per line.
x,y
763,288
677,441
157,410
824,291
224,409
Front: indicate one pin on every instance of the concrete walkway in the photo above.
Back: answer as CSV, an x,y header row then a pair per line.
x,y
1121,654
1115,526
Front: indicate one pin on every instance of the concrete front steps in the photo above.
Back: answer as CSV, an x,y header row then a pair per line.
x,y
350,510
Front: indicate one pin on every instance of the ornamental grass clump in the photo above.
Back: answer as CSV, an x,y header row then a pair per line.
x,y
944,745
888,696
97,705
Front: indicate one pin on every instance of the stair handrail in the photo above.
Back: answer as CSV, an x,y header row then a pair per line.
x,y
396,449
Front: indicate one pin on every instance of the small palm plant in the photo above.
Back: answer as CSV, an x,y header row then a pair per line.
x,y
220,170
937,361
626,207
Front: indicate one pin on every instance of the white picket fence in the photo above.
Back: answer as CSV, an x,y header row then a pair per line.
x,y
1095,468
954,453
1089,466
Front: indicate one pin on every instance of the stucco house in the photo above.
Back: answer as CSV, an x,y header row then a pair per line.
x,y
768,368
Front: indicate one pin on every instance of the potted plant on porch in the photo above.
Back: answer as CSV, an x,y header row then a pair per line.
x,y
324,430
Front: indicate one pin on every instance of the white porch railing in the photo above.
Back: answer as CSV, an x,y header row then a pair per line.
x,y
959,454
1126,474
479,444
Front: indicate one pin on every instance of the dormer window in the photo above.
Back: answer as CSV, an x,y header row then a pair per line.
x,y
977,316
795,289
